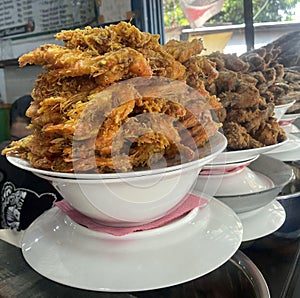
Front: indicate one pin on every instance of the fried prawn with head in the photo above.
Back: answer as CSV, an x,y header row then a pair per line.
x,y
164,64
107,69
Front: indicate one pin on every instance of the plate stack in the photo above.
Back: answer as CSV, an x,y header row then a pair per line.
x,y
248,182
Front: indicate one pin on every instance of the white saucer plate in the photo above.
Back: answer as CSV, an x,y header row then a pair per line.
x,y
263,221
181,251
228,157
290,151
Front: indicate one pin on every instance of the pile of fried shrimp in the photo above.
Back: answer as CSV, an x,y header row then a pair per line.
x,y
113,99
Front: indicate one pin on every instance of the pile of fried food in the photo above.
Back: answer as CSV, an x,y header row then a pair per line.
x,y
289,57
248,87
113,99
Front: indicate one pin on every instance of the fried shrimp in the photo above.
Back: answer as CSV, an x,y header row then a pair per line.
x,y
110,38
108,68
114,99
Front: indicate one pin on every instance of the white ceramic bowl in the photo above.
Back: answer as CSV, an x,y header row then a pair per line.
x,y
288,119
240,182
238,193
280,110
127,199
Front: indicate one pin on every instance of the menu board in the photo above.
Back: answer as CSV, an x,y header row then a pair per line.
x,y
27,17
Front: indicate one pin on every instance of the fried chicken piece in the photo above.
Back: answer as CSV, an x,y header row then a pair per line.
x,y
280,72
227,81
256,62
220,115
183,50
248,79
245,96
253,115
268,96
229,61
270,76
238,138
201,73
279,90
248,96
261,84
270,133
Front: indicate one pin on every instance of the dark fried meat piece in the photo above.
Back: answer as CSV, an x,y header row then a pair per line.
x,y
248,79
268,96
257,113
245,96
279,90
230,62
238,138
227,81
219,115
256,62
270,133
249,96
200,67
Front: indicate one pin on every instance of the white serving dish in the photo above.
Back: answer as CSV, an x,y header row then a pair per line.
x,y
270,168
132,198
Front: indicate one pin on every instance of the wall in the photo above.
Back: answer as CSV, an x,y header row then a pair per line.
x,y
20,81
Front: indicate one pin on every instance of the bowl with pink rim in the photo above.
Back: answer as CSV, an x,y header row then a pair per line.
x,y
249,188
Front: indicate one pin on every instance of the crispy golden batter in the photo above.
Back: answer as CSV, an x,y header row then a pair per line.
x,y
113,99
183,50
110,38
107,69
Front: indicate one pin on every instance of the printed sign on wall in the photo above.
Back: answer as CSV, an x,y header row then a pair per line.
x,y
27,17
